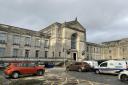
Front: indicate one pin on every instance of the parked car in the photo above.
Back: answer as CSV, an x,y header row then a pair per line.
x,y
49,64
79,66
112,66
2,66
14,70
123,76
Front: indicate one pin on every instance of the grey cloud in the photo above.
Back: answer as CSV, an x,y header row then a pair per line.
x,y
103,19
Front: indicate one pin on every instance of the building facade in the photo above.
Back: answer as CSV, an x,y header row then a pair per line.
x,y
117,49
59,40
94,51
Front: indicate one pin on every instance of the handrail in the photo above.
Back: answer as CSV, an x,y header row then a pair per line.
x,y
30,59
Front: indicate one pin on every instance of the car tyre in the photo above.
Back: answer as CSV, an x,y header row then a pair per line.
x,y
124,78
97,72
80,70
67,69
40,72
15,75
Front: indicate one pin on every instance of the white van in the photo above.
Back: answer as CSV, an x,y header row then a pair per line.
x,y
92,63
112,66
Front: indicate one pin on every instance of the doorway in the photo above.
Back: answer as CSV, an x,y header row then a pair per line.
x,y
74,56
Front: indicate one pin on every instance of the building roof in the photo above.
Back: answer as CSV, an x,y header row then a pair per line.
x,y
18,30
71,24
93,44
74,25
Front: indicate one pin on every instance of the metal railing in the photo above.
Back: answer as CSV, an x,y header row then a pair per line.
x,y
30,59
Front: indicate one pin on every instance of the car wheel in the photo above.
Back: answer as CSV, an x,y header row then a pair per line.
x,y
15,75
40,72
67,69
80,70
97,71
124,78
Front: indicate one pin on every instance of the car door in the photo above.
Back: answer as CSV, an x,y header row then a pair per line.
x,y
31,69
72,66
103,67
76,66
27,68
22,68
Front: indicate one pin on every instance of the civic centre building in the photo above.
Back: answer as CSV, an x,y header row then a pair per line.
x,y
57,41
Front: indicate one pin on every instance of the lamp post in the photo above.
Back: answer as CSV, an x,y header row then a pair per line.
x,y
64,50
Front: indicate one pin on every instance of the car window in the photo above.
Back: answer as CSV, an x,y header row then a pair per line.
x,y
77,63
120,63
31,64
103,65
23,64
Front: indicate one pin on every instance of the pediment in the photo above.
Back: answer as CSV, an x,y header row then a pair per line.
x,y
74,25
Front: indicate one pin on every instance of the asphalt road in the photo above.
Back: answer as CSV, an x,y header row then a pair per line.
x,y
90,76
101,78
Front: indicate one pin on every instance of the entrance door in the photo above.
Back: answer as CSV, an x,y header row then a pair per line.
x,y
74,56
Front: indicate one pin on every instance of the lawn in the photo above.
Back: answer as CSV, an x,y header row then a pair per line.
x,y
1,80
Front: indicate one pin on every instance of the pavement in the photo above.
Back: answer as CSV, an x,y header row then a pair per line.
x,y
53,76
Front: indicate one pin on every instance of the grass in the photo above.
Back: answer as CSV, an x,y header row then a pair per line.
x,y
1,81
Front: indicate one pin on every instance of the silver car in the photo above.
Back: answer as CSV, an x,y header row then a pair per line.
x,y
123,76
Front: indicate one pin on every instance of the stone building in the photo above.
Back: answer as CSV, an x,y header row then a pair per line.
x,y
94,51
117,49
59,40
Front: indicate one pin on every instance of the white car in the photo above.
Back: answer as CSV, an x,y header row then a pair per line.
x,y
123,76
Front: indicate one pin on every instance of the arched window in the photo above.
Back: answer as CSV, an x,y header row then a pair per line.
x,y
73,41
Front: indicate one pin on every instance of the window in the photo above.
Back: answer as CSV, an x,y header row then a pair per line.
x,y
110,51
31,65
73,41
87,49
27,53
94,49
97,50
27,41
78,63
2,52
46,44
2,38
37,43
15,52
37,54
87,57
59,54
53,54
16,40
120,63
46,54
103,65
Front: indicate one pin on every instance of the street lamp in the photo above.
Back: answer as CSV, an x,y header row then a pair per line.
x,y
64,50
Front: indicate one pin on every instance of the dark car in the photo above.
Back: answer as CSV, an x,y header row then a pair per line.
x,y
79,66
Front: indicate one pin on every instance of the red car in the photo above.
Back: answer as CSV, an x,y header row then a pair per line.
x,y
14,70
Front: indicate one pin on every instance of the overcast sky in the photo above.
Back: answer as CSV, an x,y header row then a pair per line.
x,y
104,20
